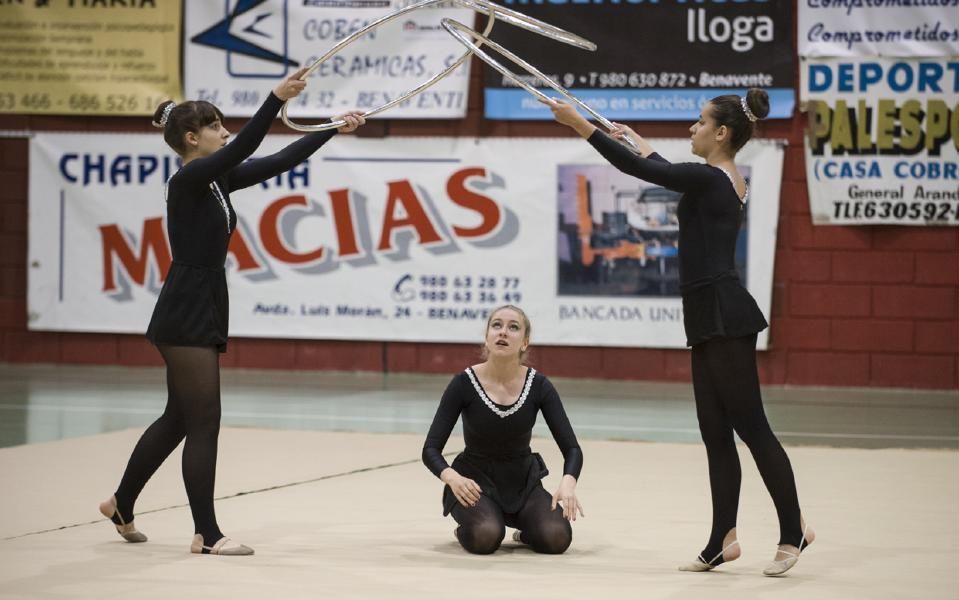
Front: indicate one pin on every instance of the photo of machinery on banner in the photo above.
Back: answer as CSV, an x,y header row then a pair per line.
x,y
368,241
654,61
232,50
72,58
882,93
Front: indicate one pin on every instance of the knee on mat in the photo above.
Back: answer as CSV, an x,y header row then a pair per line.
x,y
482,538
554,538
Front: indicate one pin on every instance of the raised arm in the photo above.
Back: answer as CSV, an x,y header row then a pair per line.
x,y
202,170
681,177
646,165
261,169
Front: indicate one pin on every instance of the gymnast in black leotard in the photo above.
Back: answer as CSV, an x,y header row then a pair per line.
x,y
190,320
495,481
720,317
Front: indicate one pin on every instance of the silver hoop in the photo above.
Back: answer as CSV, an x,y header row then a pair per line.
x,y
457,29
492,11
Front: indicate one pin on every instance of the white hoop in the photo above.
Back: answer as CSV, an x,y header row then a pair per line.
x,y
456,29
492,11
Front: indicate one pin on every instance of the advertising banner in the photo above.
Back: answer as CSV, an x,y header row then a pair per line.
x,y
655,60
235,51
89,58
878,28
392,239
883,140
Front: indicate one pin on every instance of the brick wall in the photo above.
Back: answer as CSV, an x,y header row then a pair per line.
x,y
852,306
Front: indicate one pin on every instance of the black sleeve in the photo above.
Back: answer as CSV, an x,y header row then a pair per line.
x,y
562,431
451,405
255,171
659,157
681,177
206,169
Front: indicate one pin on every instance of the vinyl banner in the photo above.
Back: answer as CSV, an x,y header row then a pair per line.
x,y
88,58
655,60
878,28
410,239
235,51
883,140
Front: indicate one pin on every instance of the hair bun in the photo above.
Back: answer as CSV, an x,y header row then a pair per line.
x,y
162,114
758,102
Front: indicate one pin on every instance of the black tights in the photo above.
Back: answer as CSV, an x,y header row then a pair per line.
x,y
482,527
726,384
192,412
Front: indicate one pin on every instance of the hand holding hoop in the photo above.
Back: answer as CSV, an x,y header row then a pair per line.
x,y
291,86
491,10
466,36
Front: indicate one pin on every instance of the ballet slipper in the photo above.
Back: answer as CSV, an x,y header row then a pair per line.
x,y
127,531
779,567
224,547
701,564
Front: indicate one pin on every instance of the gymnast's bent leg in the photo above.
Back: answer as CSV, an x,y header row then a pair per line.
x,y
542,527
481,527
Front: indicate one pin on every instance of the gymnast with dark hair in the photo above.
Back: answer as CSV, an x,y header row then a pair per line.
x,y
190,320
496,481
721,319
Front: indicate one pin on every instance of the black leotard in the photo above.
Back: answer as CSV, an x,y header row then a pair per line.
x,y
497,454
715,303
193,306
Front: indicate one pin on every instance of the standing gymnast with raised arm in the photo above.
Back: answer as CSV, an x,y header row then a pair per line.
x,y
720,317
190,320
495,481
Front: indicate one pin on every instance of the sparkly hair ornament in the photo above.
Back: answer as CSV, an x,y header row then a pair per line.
x,y
165,116
749,114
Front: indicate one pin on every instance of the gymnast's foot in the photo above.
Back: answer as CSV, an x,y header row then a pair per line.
x,y
788,555
127,530
731,551
224,546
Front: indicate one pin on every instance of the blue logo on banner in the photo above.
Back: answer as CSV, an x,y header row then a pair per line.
x,y
255,29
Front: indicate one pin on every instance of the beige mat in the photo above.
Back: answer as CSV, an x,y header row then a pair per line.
x,y
342,515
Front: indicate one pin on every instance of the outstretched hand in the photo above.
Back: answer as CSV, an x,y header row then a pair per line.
x,y
291,86
622,133
567,115
354,119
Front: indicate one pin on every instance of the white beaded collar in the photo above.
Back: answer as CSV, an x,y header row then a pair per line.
x,y
732,181
492,405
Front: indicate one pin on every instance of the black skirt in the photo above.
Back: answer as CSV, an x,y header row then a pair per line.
x,y
721,307
506,481
193,308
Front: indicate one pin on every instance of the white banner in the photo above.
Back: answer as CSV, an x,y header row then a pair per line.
x,y
394,239
883,141
235,51
878,27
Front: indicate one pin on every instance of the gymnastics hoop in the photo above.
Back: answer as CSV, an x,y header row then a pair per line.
x,y
492,11
457,30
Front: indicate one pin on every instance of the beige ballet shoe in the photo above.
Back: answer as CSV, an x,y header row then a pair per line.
x,y
701,564
224,547
516,537
778,567
128,531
